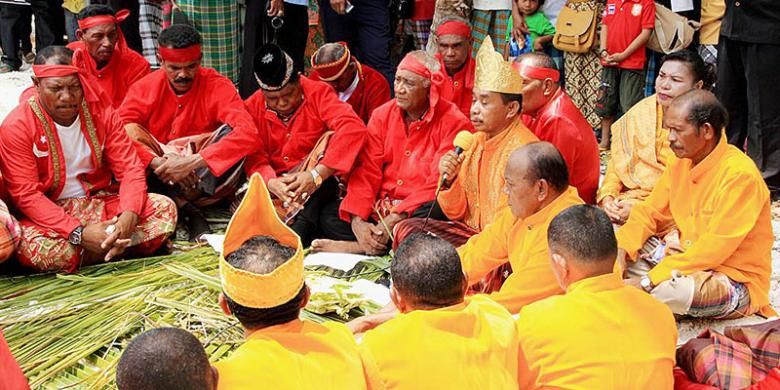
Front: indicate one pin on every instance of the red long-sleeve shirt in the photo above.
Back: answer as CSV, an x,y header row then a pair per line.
x,y
371,92
287,144
33,164
458,88
211,102
561,123
401,163
122,71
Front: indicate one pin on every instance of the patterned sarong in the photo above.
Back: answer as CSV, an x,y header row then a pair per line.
x,y
456,233
419,30
10,232
741,356
149,26
218,24
494,23
44,250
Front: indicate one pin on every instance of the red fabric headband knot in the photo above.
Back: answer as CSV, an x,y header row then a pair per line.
x,y
185,54
97,20
332,70
454,27
535,72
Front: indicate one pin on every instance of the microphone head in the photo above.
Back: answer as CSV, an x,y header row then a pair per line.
x,y
464,140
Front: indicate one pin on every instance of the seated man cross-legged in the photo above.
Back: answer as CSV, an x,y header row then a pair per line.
x,y
189,127
440,339
61,153
396,174
537,185
716,197
601,334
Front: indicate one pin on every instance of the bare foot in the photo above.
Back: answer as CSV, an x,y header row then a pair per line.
x,y
336,246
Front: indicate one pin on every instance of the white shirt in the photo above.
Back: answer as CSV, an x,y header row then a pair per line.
x,y
76,153
552,8
493,5
344,96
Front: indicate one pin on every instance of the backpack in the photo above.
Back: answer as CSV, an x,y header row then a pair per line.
x,y
577,26
672,32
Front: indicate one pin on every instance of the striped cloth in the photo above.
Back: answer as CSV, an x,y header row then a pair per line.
x,y
736,359
218,23
493,23
149,26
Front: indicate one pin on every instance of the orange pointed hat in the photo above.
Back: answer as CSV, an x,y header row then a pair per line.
x,y
256,216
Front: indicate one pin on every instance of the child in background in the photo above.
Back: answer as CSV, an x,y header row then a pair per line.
x,y
625,30
540,30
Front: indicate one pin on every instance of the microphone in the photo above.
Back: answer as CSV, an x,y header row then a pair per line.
x,y
463,141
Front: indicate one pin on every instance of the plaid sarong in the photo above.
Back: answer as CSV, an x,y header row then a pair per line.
x,y
652,64
9,233
218,24
149,26
419,30
741,356
494,23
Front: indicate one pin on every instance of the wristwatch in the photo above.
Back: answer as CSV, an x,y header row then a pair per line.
x,y
75,236
317,177
646,284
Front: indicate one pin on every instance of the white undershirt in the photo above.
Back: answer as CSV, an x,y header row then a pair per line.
x,y
76,153
344,96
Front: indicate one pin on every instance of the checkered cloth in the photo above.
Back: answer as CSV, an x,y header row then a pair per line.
x,y
652,64
741,356
149,26
419,30
493,23
218,24
709,53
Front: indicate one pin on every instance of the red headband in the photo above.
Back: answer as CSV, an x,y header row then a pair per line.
x,y
454,27
412,64
187,54
333,70
93,21
535,72
44,71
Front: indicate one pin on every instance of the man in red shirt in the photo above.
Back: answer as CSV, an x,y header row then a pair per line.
x,y
62,153
190,127
552,116
397,172
625,30
310,142
361,86
453,40
111,65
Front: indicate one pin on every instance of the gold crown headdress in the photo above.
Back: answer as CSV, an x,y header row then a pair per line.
x,y
493,73
256,216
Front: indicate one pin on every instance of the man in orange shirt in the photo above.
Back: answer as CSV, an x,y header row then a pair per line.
x,y
537,185
358,84
440,337
601,334
716,197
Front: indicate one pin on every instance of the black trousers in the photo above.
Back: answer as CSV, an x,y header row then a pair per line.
x,y
253,39
294,33
320,216
749,87
366,29
49,27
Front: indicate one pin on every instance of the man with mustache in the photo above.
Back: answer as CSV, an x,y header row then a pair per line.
x,y
111,65
190,127
62,152
716,197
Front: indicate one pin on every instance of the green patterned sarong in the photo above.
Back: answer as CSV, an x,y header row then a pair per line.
x,y
218,24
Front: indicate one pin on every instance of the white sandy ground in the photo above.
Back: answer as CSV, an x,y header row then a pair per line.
x,y
12,84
